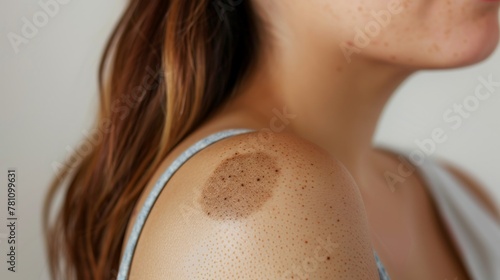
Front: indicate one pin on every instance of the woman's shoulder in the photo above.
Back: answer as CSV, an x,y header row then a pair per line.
x,y
258,206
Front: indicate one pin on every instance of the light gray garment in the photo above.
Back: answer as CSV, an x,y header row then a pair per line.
x,y
473,228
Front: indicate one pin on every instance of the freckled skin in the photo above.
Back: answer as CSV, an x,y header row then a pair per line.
x,y
299,216
430,32
240,186
285,217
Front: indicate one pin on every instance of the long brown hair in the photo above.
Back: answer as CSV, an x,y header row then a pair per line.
x,y
167,66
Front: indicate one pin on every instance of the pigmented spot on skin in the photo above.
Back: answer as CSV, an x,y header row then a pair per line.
x,y
240,186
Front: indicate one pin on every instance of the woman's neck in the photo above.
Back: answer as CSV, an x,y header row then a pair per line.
x,y
325,99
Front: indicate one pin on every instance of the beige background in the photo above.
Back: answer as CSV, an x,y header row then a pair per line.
x,y
48,96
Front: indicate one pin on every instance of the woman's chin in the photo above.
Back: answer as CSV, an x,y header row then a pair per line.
x,y
461,46
474,46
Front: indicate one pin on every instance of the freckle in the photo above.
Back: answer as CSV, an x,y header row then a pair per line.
x,y
435,47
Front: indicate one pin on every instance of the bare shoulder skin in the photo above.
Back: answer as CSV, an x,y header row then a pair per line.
x,y
257,206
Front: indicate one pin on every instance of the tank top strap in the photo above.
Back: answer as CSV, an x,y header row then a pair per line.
x,y
475,231
158,187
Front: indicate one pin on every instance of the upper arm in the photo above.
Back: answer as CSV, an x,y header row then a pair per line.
x,y
275,210
475,188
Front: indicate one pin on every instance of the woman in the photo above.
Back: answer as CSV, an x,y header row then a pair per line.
x,y
235,143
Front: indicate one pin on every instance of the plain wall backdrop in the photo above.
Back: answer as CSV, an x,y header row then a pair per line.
x,y
48,97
